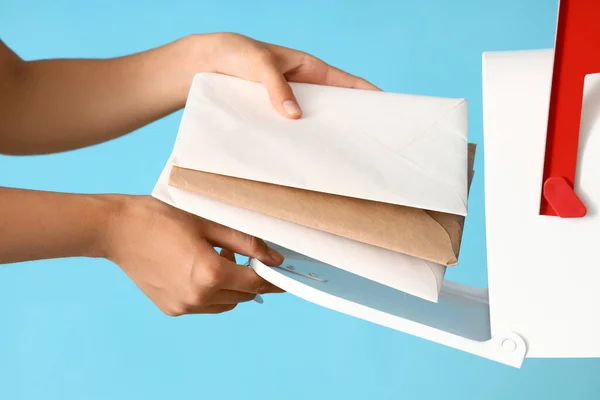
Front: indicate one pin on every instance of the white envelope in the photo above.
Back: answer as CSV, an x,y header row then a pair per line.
x,y
402,149
395,148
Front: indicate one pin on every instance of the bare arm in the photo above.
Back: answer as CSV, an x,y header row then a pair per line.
x,y
167,252
56,105
38,225
49,106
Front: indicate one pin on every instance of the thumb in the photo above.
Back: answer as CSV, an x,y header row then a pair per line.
x,y
280,93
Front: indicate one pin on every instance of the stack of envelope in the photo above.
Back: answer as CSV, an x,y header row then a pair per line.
x,y
372,183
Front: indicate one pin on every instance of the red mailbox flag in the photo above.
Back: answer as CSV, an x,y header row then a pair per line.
x,y
577,54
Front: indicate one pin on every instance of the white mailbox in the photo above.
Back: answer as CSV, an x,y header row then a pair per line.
x,y
543,275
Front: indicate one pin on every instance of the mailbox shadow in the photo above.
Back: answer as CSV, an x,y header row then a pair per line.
x,y
590,116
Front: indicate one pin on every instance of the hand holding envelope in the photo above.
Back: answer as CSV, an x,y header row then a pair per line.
x,y
369,182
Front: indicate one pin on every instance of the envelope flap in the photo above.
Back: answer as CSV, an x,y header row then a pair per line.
x,y
394,148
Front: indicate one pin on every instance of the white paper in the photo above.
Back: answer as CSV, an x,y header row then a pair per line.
x,y
402,149
395,148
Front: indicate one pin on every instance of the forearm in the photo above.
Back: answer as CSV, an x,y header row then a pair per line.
x,y
56,105
41,225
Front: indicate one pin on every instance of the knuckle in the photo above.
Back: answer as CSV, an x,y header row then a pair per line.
x,y
168,312
263,289
312,63
174,311
260,286
225,37
255,245
264,56
311,60
211,276
233,35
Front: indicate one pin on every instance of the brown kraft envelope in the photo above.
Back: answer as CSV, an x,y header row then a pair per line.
x,y
430,235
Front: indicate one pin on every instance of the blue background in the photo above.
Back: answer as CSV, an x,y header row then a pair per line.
x,y
79,329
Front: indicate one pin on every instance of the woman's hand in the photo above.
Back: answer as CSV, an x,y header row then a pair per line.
x,y
63,104
169,254
273,66
56,105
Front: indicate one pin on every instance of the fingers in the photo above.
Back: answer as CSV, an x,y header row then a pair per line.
x,y
314,70
299,67
280,93
337,77
332,76
232,296
217,285
241,243
228,254
243,279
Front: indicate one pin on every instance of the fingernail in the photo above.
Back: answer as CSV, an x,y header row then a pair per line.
x,y
275,256
291,107
259,299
